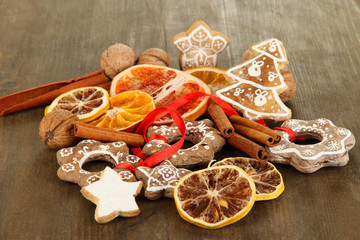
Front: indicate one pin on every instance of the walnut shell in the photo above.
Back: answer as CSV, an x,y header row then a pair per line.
x,y
117,58
56,129
155,56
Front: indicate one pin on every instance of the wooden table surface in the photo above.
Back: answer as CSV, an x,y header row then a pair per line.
x,y
46,41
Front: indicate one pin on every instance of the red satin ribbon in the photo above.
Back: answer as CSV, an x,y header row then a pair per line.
x,y
289,131
159,113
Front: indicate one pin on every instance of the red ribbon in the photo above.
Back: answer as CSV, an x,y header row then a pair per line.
x,y
289,131
159,113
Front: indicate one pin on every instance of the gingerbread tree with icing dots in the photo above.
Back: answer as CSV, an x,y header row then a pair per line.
x,y
259,83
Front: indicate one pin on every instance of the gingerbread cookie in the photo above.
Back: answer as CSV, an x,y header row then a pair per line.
x,y
259,83
113,196
199,46
161,180
72,159
332,150
282,67
207,140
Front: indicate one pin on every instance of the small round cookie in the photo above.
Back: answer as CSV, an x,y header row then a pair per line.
x,y
332,150
72,159
207,140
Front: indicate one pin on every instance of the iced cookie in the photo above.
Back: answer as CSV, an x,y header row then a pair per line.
x,y
287,75
72,159
161,180
332,150
113,196
199,46
207,141
259,83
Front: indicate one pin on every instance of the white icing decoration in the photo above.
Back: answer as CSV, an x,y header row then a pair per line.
x,y
68,167
255,69
66,152
118,144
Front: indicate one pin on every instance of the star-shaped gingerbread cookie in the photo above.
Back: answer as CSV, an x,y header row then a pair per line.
x,y
161,180
199,46
113,196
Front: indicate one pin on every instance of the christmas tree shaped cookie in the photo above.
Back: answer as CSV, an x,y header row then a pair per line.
x,y
259,83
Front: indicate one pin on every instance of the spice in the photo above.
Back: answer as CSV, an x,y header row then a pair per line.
x,y
84,130
247,146
221,120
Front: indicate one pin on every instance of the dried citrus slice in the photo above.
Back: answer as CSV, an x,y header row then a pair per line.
x,y
214,77
165,85
87,103
268,180
215,197
127,109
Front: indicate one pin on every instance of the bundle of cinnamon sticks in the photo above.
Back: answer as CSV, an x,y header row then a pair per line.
x,y
246,135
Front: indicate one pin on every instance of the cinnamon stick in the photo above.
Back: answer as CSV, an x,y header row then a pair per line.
x,y
221,120
45,94
247,146
255,135
254,125
85,130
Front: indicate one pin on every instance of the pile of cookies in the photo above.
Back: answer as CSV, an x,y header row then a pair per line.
x,y
133,121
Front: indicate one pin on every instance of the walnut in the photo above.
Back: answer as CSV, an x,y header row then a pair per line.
x,y
56,129
154,56
117,58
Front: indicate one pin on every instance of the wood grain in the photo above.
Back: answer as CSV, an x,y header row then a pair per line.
x,y
46,41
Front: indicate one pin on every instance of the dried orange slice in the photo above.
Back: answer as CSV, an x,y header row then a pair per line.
x,y
215,197
268,180
165,85
87,103
127,109
214,77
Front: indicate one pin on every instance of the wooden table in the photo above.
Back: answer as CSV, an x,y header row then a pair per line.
x,y
46,41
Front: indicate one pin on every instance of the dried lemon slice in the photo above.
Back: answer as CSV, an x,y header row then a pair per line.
x,y
268,180
214,77
87,103
215,197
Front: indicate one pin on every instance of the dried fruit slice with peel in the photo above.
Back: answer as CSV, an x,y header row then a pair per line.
x,y
268,180
214,77
126,111
87,103
165,85
215,197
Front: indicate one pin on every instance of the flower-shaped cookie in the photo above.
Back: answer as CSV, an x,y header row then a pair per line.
x,y
207,140
199,46
332,150
72,159
161,180
113,196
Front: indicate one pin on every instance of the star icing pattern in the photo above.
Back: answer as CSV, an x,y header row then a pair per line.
x,y
258,84
113,196
199,46
161,180
332,150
